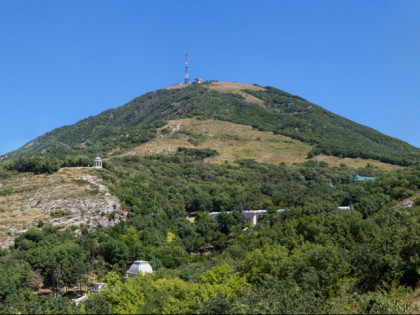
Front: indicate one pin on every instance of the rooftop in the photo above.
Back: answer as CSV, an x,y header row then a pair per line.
x,y
358,178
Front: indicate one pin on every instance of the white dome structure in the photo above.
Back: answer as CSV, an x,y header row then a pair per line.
x,y
139,266
97,162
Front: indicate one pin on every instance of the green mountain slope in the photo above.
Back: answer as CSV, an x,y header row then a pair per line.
x,y
267,109
310,258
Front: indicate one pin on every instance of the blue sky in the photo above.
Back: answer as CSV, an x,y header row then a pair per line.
x,y
62,61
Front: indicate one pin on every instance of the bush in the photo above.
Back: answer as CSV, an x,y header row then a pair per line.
x,y
60,213
171,256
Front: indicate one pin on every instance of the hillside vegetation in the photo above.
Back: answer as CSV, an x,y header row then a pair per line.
x,y
267,109
313,258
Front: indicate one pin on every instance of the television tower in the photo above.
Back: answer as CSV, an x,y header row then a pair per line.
x,y
187,76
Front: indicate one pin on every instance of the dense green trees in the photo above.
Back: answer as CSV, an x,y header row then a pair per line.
x,y
13,275
311,258
36,164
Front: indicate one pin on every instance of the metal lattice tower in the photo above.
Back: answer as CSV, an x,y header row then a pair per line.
x,y
187,76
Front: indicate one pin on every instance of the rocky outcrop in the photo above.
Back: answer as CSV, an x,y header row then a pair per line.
x,y
72,198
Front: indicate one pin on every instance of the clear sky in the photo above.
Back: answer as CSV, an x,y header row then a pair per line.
x,y
62,61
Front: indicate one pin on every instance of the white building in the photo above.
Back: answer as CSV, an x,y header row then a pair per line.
x,y
139,266
97,162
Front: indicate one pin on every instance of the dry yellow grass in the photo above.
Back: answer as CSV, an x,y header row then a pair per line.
x,y
356,163
176,86
234,141
231,87
237,88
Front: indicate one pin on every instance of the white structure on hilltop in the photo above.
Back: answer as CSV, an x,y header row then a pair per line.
x,y
251,216
97,162
139,266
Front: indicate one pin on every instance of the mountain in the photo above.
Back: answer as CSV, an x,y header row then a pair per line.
x,y
174,156
267,109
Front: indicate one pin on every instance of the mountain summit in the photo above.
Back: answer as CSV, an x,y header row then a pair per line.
x,y
264,108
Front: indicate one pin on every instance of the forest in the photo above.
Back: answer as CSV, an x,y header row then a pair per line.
x,y
311,258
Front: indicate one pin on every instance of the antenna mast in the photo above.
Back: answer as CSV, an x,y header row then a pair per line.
x,y
187,76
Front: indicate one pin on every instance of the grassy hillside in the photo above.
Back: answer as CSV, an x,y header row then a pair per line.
x,y
235,142
266,109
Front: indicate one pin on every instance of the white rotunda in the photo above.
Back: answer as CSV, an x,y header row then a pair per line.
x,y
97,162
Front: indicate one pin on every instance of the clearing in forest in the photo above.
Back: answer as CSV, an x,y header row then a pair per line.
x,y
233,142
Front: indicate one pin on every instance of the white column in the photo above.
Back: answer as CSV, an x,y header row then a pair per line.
x,y
254,219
